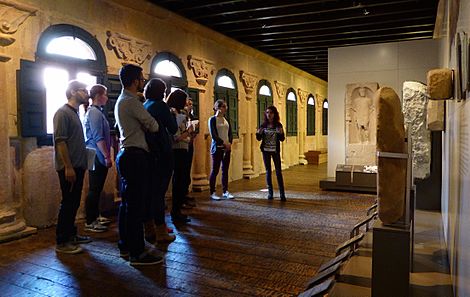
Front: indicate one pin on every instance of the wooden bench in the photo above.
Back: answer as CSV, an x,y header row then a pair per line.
x,y
316,157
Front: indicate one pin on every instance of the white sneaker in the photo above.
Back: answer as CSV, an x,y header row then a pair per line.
x,y
228,195
214,196
68,248
95,227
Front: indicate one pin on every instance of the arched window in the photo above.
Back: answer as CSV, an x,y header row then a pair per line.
x,y
311,115
265,99
291,112
226,89
324,126
64,52
170,69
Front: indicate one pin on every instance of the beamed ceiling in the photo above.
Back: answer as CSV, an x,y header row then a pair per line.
x,y
300,32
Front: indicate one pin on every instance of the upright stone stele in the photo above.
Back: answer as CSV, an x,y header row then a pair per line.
x,y
414,111
360,123
391,177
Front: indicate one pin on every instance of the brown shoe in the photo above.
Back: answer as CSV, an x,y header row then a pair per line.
x,y
163,236
150,233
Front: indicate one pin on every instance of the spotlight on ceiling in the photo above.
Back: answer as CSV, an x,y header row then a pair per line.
x,y
365,12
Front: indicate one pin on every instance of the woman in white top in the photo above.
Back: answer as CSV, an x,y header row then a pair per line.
x,y
221,147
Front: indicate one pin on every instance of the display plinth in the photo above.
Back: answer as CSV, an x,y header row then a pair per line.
x,y
391,260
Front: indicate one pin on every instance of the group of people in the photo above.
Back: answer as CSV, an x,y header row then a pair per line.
x,y
156,147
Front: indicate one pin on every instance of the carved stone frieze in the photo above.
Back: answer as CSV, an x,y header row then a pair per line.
x,y
13,14
202,69
281,89
129,49
249,82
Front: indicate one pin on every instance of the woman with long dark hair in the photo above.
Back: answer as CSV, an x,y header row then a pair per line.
x,y
271,133
177,100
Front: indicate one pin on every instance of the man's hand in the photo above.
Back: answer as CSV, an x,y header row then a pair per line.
x,y
70,176
108,162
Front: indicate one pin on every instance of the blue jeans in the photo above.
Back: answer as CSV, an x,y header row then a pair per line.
x,y
71,196
133,166
96,180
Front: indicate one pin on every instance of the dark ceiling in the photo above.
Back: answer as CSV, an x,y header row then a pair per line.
x,y
299,32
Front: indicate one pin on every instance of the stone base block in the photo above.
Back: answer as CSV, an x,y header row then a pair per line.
x,y
17,235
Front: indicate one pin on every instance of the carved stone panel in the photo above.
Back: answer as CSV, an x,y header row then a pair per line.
x,y
129,49
302,96
391,179
414,110
360,122
202,69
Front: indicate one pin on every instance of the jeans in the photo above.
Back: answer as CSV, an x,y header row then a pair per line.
x,y
133,166
179,179
96,180
163,169
220,156
71,195
277,165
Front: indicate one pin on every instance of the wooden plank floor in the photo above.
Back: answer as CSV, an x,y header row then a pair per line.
x,y
248,246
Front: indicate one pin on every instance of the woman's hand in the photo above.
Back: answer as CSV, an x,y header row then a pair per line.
x,y
260,130
228,146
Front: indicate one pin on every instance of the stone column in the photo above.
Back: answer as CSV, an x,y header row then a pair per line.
x,y
12,224
281,89
249,82
202,69
301,116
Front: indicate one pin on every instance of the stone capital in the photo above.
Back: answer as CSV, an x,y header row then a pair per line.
x,y
281,89
249,82
303,95
129,49
202,69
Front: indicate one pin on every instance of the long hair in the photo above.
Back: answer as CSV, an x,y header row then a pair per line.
x,y
177,99
276,118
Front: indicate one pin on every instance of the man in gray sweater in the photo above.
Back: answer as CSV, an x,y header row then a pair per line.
x,y
133,164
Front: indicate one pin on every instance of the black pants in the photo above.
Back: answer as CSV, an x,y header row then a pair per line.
x,y
277,165
179,179
163,169
71,195
133,166
96,181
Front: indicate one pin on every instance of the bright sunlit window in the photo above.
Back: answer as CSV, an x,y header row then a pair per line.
x,y
168,68
71,47
291,96
55,81
264,90
311,101
325,104
226,82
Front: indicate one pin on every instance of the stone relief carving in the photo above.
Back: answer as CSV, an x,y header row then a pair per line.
x,y
12,15
249,82
281,89
129,49
201,68
360,117
302,96
414,110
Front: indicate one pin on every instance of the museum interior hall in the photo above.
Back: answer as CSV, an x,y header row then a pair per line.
x,y
361,105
